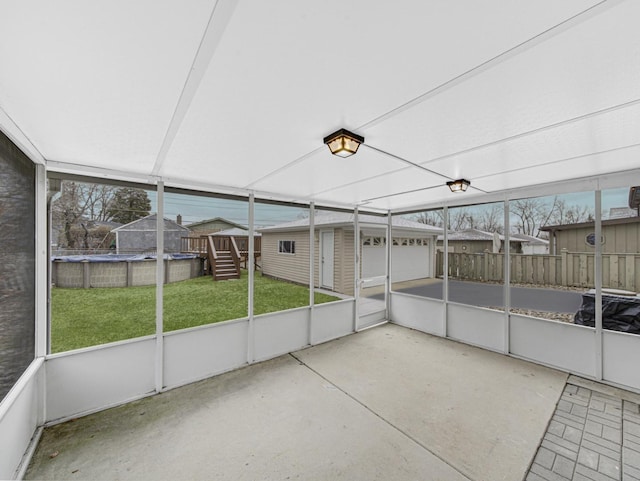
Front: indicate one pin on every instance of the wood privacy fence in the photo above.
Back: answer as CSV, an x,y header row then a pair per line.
x,y
619,271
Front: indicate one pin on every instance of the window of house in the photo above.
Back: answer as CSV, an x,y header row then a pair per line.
x,y
379,241
366,241
287,247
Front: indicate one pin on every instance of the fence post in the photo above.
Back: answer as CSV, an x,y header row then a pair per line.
x,y
629,264
563,264
584,269
486,265
613,277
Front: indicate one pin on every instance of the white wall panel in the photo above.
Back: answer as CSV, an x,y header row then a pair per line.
x,y
280,332
96,378
332,320
566,346
371,319
19,417
419,313
194,354
476,325
621,358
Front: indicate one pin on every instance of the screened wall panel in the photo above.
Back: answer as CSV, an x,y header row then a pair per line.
x,y
104,252
17,263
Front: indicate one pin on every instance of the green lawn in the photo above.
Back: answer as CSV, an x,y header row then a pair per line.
x,y
88,317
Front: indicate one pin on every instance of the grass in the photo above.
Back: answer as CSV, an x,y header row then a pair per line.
x,y
88,317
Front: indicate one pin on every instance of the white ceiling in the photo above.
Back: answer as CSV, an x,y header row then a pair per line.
x,y
237,95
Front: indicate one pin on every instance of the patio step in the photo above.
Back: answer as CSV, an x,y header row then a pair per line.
x,y
225,267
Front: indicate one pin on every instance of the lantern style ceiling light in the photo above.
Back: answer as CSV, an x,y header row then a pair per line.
x,y
459,185
343,143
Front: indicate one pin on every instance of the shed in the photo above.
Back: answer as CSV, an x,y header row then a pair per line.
x,y
140,235
470,241
531,244
285,250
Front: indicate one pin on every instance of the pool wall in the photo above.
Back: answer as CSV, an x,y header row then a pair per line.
x,y
126,273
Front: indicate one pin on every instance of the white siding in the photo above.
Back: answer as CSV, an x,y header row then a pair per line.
x,y
291,267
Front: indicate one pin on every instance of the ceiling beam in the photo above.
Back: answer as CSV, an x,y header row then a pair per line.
x,y
218,21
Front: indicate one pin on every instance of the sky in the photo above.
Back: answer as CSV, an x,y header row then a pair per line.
x,y
195,208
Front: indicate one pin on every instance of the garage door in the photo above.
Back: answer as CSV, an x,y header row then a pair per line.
x,y
409,261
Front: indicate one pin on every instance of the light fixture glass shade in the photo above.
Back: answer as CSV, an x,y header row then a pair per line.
x,y
343,143
459,185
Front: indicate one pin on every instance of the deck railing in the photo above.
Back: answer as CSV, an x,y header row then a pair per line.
x,y
198,245
235,254
212,255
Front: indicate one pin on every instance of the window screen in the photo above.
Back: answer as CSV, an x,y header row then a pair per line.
x,y
17,263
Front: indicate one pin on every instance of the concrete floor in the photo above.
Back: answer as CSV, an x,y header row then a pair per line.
x,y
386,403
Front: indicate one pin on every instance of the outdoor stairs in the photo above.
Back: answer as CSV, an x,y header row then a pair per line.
x,y
225,268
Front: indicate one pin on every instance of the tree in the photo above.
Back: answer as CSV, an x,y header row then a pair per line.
x,y
488,218
491,219
79,206
460,219
129,204
431,217
572,214
77,203
530,215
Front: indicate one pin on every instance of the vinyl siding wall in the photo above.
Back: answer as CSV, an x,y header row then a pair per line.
x,y
295,267
618,239
291,267
344,261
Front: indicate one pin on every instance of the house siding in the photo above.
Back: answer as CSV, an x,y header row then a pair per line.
x,y
620,239
292,267
296,267
347,262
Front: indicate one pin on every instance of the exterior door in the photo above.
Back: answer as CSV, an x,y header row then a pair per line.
x,y
326,259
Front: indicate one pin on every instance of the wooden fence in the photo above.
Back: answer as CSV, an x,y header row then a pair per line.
x,y
576,269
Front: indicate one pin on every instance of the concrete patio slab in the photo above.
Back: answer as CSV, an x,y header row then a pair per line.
x,y
386,403
484,413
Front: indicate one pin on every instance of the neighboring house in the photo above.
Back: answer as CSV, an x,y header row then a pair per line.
x,y
140,235
620,236
235,232
285,250
621,212
216,224
473,241
531,244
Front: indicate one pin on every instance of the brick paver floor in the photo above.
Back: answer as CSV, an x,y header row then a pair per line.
x,y
591,437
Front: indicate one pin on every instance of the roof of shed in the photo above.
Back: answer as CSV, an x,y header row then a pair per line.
x,y
343,219
148,223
